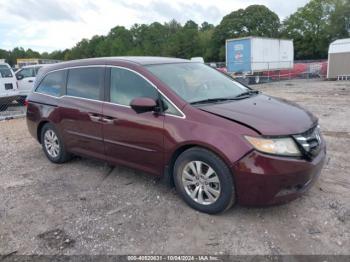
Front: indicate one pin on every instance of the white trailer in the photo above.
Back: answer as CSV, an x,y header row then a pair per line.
x,y
339,60
253,55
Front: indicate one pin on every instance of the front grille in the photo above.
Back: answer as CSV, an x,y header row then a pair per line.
x,y
8,86
309,141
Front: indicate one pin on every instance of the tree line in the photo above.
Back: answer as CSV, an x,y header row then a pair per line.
x,y
312,28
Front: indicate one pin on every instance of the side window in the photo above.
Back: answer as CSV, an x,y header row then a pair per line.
x,y
53,83
85,82
170,109
26,72
127,85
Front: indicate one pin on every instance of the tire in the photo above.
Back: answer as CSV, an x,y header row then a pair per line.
x,y
58,153
220,181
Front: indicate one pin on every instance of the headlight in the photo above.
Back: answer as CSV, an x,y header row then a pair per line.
x,y
277,146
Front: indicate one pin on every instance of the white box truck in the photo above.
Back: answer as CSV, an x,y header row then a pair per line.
x,y
252,56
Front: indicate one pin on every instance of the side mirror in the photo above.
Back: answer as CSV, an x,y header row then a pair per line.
x,y
19,77
143,104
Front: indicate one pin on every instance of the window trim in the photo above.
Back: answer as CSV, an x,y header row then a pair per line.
x,y
107,85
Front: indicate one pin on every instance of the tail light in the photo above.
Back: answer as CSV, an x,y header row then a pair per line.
x,y
26,103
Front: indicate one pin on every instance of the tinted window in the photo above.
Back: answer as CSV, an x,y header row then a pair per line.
x,y
85,82
127,85
53,83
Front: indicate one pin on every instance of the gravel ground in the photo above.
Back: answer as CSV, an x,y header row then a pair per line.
x,y
88,207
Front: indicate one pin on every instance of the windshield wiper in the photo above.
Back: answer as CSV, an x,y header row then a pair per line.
x,y
248,93
213,100
221,99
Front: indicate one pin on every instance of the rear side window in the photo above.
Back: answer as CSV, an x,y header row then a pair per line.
x,y
53,83
85,82
126,85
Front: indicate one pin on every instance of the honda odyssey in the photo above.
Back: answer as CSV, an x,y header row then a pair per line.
x,y
218,141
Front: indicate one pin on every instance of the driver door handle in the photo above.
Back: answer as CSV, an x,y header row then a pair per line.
x,y
95,117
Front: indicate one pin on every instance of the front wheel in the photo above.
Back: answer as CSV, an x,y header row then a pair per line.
x,y
204,181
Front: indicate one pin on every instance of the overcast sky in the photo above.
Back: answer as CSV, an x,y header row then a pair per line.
x,y
47,25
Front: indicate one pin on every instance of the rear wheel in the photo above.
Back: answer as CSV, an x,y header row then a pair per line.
x,y
204,181
53,145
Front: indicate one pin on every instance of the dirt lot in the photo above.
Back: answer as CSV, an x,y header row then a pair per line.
x,y
87,207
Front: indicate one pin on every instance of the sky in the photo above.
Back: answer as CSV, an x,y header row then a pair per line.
x,y
48,25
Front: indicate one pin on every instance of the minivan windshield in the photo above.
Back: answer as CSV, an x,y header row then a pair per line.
x,y
196,82
5,71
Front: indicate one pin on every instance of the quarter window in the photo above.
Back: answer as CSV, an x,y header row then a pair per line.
x,y
53,83
170,109
85,82
126,85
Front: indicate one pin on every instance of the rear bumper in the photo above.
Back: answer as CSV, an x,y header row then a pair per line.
x,y
267,180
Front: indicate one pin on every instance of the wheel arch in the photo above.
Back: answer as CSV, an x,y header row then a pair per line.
x,y
40,127
168,174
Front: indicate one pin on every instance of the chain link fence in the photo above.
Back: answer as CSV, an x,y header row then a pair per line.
x,y
12,106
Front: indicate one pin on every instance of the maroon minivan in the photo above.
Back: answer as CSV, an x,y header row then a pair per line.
x,y
217,140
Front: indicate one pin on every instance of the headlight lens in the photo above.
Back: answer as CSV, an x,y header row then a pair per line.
x,y
277,146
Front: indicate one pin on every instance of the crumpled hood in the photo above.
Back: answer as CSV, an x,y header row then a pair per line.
x,y
268,115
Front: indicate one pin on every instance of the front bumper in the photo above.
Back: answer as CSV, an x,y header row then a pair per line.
x,y
266,180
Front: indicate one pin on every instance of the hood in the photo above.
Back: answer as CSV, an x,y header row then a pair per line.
x,y
267,115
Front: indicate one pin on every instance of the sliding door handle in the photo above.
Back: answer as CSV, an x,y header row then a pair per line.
x,y
109,120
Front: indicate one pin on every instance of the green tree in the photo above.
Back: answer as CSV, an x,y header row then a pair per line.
x,y
317,24
339,20
308,27
255,20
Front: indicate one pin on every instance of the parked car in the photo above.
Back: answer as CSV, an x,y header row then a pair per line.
x,y
25,79
8,86
218,141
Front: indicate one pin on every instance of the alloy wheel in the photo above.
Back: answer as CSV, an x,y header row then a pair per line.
x,y
201,182
51,143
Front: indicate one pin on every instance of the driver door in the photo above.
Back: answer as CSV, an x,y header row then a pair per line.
x,y
130,138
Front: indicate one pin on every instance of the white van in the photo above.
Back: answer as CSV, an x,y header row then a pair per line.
x,y
25,79
8,86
